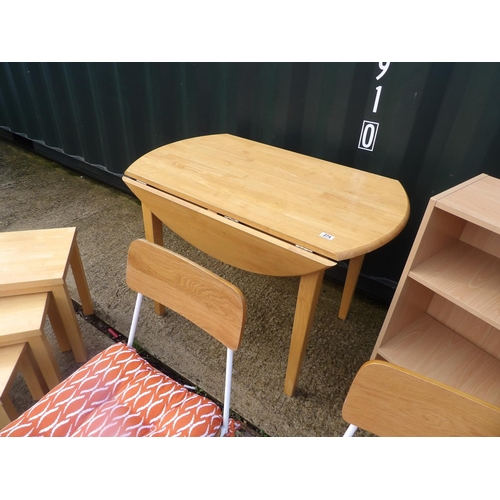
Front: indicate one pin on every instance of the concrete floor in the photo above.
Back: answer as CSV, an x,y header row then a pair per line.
x,y
38,193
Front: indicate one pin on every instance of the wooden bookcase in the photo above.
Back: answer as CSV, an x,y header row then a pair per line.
x,y
444,319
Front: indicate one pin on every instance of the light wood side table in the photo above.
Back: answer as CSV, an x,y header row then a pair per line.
x,y
37,261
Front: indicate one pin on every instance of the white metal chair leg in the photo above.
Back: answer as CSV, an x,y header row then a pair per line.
x,y
350,431
135,319
227,392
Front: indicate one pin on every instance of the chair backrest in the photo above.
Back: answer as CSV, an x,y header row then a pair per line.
x,y
202,297
209,301
388,400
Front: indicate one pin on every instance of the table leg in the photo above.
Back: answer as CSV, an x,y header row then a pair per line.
x,y
45,360
82,286
350,285
8,411
58,325
307,300
32,375
67,314
153,229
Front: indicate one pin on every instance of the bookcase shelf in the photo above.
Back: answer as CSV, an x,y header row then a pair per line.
x,y
444,319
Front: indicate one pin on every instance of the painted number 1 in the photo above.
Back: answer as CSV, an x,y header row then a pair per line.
x,y
377,98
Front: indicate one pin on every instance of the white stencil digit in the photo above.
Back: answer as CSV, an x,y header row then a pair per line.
x,y
384,66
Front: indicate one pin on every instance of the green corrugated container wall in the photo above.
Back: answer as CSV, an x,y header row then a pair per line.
x,y
429,125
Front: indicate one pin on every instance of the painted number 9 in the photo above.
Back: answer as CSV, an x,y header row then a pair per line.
x,y
384,66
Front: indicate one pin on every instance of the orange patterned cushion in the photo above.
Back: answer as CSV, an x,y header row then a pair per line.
x,y
118,393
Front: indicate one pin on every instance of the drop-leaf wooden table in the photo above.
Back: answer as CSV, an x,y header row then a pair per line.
x,y
270,211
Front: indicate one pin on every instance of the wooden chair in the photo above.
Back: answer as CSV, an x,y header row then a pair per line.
x,y
38,261
15,358
117,393
388,400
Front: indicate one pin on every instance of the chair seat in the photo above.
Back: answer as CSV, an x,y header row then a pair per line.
x,y
118,393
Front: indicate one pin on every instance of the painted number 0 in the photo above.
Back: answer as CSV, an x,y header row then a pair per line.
x,y
368,135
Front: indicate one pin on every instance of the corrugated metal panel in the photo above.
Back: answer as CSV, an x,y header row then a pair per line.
x,y
438,123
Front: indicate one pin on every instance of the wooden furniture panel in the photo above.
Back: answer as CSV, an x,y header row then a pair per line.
x,y
208,231
216,306
432,349
467,277
441,231
466,324
481,238
392,401
414,301
444,320
476,201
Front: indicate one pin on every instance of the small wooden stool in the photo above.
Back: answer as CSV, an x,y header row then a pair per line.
x,y
23,319
14,358
38,261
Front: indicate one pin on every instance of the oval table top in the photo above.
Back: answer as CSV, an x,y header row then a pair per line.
x,y
336,211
